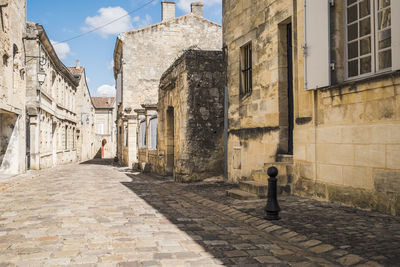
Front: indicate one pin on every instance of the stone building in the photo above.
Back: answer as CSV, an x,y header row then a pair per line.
x,y
191,117
140,58
314,89
12,87
86,134
105,126
50,102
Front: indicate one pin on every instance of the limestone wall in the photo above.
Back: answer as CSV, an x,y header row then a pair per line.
x,y
193,89
346,136
85,110
12,88
255,125
51,105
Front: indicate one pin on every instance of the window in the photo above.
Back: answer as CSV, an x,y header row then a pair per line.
x,y
368,44
143,134
100,128
66,137
246,69
126,136
153,133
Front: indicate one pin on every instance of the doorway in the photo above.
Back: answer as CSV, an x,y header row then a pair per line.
x,y
169,169
286,107
290,87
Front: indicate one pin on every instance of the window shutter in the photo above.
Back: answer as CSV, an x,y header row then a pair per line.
x,y
395,12
317,47
119,89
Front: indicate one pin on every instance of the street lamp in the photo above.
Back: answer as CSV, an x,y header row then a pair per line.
x,y
41,77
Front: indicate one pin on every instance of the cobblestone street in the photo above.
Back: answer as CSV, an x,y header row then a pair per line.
x,y
96,214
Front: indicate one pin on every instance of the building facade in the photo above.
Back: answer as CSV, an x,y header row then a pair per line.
x,y
86,132
12,87
105,116
50,102
140,58
314,89
191,117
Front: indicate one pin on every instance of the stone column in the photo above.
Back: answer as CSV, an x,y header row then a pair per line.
x,y
34,142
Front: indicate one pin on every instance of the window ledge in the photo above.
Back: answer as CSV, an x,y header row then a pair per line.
x,y
362,80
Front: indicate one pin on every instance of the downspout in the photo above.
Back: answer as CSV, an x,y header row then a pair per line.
x,y
40,97
226,108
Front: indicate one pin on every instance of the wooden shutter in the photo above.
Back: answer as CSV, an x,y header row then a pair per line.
x,y
395,13
317,47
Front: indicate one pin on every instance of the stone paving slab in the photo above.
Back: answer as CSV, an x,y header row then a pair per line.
x,y
101,215
371,235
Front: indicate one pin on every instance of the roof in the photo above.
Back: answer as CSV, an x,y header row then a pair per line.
x,y
75,71
190,15
35,30
103,102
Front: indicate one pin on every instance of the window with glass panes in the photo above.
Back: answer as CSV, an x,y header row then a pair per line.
x,y
143,134
368,24
153,133
246,68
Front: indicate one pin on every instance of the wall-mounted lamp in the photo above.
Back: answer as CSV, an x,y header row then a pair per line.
x,y
41,77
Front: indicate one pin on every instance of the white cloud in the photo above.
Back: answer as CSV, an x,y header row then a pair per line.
x,y
185,4
110,65
106,15
62,49
106,90
88,79
142,22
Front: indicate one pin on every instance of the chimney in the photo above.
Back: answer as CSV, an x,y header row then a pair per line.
x,y
78,65
197,8
167,10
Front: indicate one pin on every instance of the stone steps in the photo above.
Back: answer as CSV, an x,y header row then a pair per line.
x,y
257,186
254,187
240,194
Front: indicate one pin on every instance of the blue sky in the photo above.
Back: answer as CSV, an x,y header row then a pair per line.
x,y
65,19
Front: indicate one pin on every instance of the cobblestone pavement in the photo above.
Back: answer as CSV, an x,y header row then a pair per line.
x,y
372,235
100,215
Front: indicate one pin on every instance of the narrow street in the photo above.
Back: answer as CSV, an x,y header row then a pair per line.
x,y
95,214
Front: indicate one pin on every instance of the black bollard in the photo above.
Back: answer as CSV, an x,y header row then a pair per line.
x,y
272,208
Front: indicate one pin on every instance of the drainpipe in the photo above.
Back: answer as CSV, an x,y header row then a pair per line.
x,y
40,97
226,106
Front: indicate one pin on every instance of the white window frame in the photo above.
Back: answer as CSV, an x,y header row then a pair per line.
x,y
100,128
153,135
142,143
374,42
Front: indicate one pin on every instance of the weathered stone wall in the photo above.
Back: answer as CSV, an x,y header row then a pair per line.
x,y
346,139
194,87
255,125
12,88
141,56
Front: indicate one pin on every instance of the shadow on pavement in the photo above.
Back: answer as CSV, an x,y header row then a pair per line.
x,y
97,161
371,235
231,241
